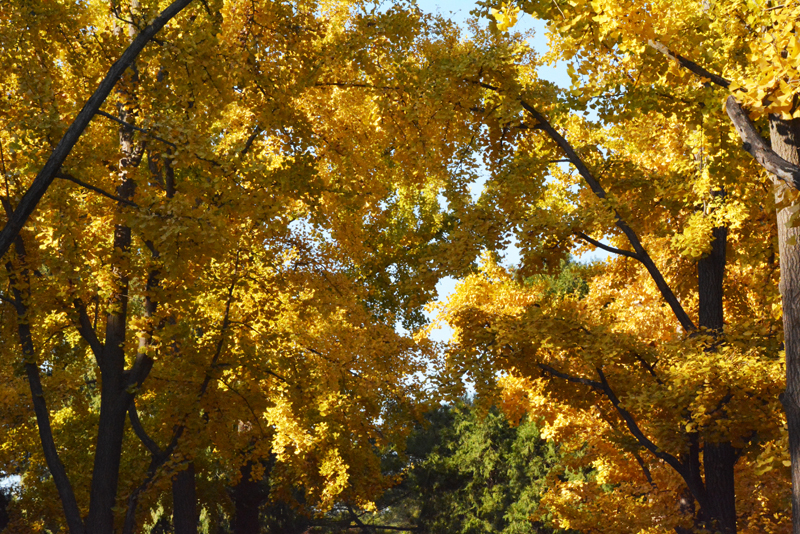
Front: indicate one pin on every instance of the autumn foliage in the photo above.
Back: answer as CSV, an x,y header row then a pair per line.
x,y
224,219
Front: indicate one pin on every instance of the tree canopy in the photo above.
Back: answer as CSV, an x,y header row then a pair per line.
x,y
224,219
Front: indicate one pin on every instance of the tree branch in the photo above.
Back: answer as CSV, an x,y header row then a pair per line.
x,y
223,328
132,127
354,84
626,416
645,469
570,378
45,177
689,64
157,461
633,239
54,465
87,331
636,431
249,142
70,178
605,247
752,141
138,429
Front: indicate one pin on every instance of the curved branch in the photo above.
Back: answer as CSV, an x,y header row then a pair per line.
x,y
156,463
753,143
54,465
138,429
90,187
570,378
87,332
132,127
633,239
634,429
159,460
45,177
605,247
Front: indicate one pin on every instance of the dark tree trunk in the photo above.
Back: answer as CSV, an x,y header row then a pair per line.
x,y
785,140
114,398
710,275
248,496
113,407
718,462
184,502
718,458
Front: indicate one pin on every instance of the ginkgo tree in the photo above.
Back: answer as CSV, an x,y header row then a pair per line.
x,y
668,371
203,276
740,54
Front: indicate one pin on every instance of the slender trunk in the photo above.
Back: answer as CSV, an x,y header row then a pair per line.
x,y
113,397
785,140
184,502
54,464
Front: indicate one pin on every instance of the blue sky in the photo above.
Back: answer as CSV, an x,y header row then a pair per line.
x,y
458,11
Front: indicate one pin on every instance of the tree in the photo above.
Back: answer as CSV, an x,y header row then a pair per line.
x,y
213,281
671,348
475,472
701,53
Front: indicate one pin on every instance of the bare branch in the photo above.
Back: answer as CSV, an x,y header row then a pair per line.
x,y
605,247
46,176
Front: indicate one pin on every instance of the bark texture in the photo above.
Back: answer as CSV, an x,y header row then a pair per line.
x,y
785,141
719,458
184,502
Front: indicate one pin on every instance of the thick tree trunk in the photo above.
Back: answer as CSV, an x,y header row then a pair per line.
x,y
710,275
184,502
718,458
247,499
718,462
785,140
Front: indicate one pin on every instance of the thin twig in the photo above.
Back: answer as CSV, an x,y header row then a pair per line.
x,y
132,127
70,178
